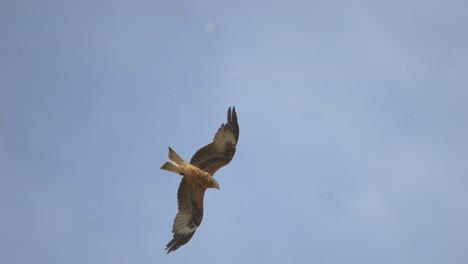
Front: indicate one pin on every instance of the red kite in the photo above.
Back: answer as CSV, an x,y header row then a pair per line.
x,y
197,176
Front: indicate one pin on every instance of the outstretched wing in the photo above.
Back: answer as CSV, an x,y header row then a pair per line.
x,y
189,217
221,151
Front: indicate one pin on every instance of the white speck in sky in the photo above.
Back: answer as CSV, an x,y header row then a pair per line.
x,y
209,27
327,195
232,73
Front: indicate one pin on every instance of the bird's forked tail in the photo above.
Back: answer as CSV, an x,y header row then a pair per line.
x,y
175,163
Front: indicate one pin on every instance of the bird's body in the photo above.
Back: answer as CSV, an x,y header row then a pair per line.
x,y
200,177
197,177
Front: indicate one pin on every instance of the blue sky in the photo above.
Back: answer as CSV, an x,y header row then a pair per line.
x,y
352,118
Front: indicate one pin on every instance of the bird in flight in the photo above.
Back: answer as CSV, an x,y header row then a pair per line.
x,y
197,176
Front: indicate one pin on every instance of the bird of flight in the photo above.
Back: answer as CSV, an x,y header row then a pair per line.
x,y
197,176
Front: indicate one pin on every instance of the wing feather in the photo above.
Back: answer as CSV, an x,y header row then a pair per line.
x,y
190,215
220,152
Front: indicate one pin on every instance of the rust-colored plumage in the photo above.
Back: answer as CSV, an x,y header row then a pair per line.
x,y
198,176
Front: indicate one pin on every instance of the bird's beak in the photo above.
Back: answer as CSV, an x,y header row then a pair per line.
x,y
218,188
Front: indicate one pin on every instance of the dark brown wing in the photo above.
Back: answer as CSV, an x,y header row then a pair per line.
x,y
221,151
189,217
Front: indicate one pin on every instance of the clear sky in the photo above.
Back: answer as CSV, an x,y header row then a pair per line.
x,y
353,130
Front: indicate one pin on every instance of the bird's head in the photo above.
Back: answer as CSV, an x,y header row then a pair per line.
x,y
214,184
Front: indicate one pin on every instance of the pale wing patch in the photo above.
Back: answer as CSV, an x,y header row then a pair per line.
x,y
183,223
222,138
187,230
